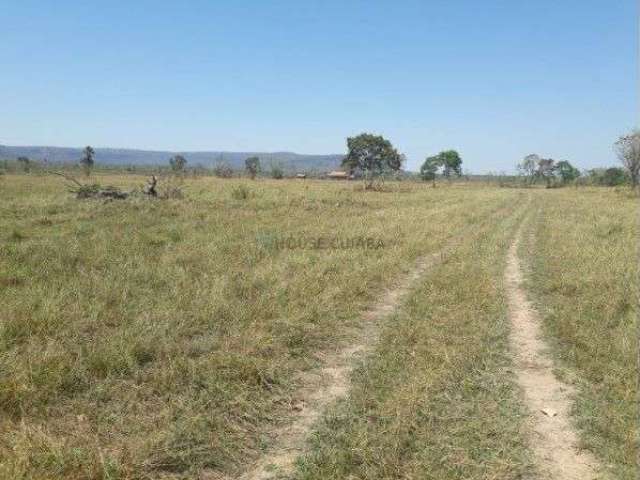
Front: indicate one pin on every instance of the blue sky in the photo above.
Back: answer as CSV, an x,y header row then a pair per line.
x,y
495,80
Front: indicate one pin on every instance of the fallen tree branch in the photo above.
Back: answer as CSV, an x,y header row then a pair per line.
x,y
67,177
86,190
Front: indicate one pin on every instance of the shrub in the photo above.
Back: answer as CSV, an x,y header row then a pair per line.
x,y
610,177
277,172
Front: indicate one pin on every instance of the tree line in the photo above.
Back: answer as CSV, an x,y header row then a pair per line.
x,y
534,168
373,157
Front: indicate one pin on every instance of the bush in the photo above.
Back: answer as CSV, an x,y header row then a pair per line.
x,y
614,176
277,172
610,177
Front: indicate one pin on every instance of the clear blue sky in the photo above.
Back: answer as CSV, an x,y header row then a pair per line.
x,y
493,79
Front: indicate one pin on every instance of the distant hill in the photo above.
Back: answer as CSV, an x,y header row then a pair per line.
x,y
124,156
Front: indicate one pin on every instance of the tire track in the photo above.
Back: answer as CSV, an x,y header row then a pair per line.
x,y
555,441
331,382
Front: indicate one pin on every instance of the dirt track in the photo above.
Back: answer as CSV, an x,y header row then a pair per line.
x,y
554,442
332,382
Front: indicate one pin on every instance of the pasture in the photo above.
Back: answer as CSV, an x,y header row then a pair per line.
x,y
148,338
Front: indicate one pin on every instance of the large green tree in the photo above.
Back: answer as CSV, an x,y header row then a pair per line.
x,y
567,172
373,155
429,169
451,163
448,162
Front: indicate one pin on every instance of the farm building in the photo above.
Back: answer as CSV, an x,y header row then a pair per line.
x,y
338,175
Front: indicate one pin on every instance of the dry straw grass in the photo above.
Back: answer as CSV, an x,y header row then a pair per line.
x,y
584,273
162,338
144,337
437,399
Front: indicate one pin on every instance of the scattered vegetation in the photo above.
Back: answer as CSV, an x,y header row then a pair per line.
x,y
535,168
150,339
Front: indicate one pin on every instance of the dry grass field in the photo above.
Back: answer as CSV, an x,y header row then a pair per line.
x,y
144,339
584,255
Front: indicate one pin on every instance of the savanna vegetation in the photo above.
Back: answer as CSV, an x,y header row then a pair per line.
x,y
142,337
164,336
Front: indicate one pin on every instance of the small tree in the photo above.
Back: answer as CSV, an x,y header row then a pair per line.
x,y
25,163
567,172
545,170
87,159
252,165
448,162
429,169
628,149
451,163
528,167
178,163
373,155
